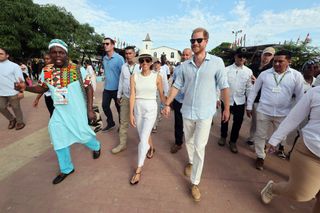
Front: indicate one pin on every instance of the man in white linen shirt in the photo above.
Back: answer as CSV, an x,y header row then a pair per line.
x,y
129,68
278,85
199,77
239,79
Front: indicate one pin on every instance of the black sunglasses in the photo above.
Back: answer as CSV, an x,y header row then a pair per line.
x,y
141,60
199,40
107,44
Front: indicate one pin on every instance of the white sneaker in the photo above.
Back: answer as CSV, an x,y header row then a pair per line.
x,y
266,193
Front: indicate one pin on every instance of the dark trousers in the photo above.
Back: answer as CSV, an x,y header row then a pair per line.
x,y
178,122
108,95
49,103
238,113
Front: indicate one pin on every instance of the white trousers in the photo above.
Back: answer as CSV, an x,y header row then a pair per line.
x,y
145,113
264,122
196,134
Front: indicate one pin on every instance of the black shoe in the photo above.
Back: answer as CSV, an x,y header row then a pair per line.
x,y
61,177
233,147
281,154
250,143
96,154
259,163
108,128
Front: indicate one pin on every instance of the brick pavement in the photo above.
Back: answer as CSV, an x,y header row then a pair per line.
x,y
229,183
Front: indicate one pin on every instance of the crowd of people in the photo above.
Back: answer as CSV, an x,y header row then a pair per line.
x,y
269,91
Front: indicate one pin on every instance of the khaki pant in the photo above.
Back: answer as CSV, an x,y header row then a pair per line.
x,y
15,104
304,179
263,123
124,120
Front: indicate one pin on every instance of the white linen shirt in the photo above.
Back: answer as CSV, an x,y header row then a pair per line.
x,y
276,100
124,80
239,79
308,106
9,74
200,86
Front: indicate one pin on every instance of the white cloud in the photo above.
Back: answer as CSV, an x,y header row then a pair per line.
x,y
175,31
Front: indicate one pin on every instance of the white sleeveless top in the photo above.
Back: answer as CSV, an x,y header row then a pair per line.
x,y
146,86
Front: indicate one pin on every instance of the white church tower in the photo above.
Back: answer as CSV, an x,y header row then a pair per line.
x,y
147,43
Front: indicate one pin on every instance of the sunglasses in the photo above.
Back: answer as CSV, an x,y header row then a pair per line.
x,y
199,40
147,60
107,44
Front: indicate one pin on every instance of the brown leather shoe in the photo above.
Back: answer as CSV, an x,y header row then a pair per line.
x,y
12,124
259,164
20,126
196,194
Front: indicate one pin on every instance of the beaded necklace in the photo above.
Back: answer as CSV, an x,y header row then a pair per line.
x,y
64,76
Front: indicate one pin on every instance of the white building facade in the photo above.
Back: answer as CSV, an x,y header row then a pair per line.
x,y
172,55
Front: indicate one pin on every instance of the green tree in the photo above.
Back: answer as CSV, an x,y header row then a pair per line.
x,y
26,29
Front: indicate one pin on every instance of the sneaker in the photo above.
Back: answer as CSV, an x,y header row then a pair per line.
x,y
259,163
233,147
281,154
266,193
175,148
108,128
195,191
188,169
222,141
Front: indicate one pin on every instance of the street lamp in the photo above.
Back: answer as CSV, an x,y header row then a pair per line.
x,y
235,35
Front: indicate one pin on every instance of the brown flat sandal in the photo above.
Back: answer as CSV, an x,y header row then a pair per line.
x,y
150,152
133,180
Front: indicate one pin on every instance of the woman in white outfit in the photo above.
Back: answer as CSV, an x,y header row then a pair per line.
x,y
143,108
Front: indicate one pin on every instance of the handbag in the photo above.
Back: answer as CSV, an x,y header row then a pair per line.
x,y
96,124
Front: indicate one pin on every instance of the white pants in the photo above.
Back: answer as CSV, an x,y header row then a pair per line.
x,y
145,114
196,134
263,124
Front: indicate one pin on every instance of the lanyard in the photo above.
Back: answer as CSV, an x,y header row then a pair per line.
x,y
131,70
275,78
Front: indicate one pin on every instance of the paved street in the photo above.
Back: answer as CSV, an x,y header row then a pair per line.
x,y
230,183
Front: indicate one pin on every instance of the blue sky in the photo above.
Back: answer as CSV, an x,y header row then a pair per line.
x,y
170,23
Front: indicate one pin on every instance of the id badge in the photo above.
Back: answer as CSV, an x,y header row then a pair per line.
x,y
60,96
276,89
